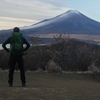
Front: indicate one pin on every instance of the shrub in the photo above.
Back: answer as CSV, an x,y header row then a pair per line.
x,y
52,67
93,69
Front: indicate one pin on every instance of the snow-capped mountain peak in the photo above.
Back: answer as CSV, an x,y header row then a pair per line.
x,y
71,21
68,14
55,19
73,12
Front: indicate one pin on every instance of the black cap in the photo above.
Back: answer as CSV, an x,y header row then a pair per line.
x,y
16,29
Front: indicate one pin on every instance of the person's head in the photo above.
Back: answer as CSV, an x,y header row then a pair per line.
x,y
16,29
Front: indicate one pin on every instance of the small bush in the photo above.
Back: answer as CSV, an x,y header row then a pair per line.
x,y
93,69
52,67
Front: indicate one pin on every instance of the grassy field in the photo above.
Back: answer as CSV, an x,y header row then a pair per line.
x,y
46,86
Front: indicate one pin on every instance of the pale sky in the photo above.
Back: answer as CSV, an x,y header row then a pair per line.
x,y
27,12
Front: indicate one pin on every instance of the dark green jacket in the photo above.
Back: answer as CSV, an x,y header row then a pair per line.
x,y
8,41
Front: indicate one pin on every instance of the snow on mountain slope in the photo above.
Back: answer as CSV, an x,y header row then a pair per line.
x,y
61,17
71,22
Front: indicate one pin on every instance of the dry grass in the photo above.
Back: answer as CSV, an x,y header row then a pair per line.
x,y
45,86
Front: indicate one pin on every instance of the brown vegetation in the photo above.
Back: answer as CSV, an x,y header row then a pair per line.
x,y
69,55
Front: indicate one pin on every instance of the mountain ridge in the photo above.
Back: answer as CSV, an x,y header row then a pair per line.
x,y
71,22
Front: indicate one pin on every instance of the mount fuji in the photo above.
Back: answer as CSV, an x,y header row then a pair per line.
x,y
70,22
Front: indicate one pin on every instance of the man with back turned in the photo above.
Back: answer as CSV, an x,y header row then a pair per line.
x,y
16,51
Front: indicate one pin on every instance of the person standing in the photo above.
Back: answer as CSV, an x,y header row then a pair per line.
x,y
16,41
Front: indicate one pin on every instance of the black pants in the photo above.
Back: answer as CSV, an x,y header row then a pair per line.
x,y
12,62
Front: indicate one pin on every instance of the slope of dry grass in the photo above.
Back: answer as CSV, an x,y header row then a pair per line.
x,y
46,86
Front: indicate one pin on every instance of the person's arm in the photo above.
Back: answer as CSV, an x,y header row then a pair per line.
x,y
27,44
5,43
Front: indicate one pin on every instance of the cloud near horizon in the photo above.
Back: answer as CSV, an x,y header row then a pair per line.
x,y
26,12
